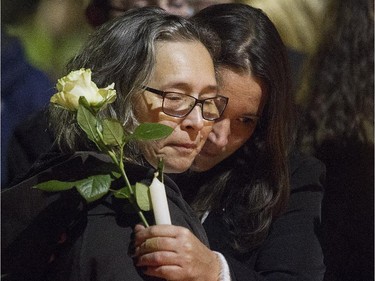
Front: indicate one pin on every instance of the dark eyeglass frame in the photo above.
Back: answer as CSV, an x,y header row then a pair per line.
x,y
197,101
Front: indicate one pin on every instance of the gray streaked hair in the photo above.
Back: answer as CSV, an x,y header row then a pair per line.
x,y
121,51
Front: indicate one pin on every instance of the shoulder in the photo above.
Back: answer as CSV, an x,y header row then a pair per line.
x,y
306,171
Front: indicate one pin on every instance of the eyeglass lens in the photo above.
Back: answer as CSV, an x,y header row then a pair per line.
x,y
180,105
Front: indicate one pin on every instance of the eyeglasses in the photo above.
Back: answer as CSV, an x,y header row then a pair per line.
x,y
180,105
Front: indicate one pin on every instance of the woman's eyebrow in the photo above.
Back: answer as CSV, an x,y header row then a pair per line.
x,y
187,87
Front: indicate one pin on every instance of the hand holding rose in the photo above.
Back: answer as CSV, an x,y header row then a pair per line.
x,y
174,253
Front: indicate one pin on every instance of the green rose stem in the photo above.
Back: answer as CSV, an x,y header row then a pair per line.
x,y
120,165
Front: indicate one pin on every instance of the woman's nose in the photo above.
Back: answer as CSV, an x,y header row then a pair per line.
x,y
220,133
194,119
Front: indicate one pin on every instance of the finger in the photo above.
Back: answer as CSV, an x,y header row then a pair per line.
x,y
157,244
150,245
139,227
158,259
141,235
161,230
168,272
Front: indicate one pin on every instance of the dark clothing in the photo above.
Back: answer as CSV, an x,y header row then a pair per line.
x,y
292,250
58,236
24,90
30,140
348,210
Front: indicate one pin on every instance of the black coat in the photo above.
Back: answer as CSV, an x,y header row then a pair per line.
x,y
292,249
58,236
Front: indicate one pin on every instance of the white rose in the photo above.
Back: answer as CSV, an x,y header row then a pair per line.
x,y
78,83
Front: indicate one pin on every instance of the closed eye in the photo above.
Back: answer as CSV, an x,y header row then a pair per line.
x,y
174,97
251,120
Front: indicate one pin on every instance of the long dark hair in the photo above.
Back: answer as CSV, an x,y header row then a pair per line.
x,y
252,185
338,97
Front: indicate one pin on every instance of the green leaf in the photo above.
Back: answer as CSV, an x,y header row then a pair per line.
x,y
142,196
55,185
151,131
87,121
113,132
91,188
94,187
116,174
123,193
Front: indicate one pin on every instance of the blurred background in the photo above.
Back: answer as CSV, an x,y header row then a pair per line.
x,y
51,31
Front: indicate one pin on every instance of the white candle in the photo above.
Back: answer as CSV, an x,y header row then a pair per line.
x,y
159,202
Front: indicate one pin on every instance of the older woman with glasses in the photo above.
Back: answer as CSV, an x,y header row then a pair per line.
x,y
163,74
258,198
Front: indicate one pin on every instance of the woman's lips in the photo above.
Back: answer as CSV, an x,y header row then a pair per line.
x,y
184,147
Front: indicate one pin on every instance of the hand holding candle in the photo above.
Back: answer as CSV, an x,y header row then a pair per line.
x,y
159,201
